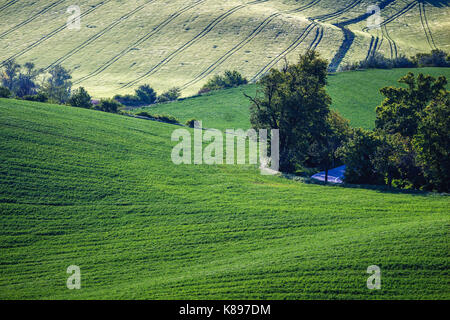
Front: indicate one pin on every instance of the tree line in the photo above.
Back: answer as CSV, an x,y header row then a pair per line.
x,y
407,149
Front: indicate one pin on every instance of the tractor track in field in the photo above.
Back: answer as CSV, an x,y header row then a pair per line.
x,y
141,40
98,35
392,44
372,47
317,39
300,39
349,36
51,34
30,19
7,5
396,15
326,17
426,27
243,43
188,44
285,52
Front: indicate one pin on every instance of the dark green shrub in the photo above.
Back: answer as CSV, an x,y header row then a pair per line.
x,y
128,100
146,94
166,118
4,92
81,99
108,105
39,97
228,80
170,95
191,123
144,114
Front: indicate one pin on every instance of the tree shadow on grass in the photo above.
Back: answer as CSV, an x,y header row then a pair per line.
x,y
377,188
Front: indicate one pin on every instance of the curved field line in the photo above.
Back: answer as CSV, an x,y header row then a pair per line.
x,y
426,27
243,43
98,35
396,15
141,40
26,21
313,45
389,41
51,34
285,52
7,5
329,16
349,36
188,44
322,18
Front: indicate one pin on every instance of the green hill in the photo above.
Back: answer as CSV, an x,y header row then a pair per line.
x,y
97,190
167,43
355,95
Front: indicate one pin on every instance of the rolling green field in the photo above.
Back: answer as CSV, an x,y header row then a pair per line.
x,y
355,95
122,44
97,190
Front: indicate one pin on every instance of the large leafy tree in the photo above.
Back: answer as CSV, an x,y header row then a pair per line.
x,y
432,144
58,86
401,110
294,101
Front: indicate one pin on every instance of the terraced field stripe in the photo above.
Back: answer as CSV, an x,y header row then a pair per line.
x,y
7,5
285,52
188,44
30,19
141,40
329,16
318,38
99,34
243,43
397,15
51,34
426,27
349,36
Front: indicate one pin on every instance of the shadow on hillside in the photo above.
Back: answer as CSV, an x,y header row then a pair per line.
x,y
380,189
436,3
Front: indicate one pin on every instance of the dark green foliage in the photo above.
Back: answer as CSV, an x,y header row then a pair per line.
x,y
437,58
20,81
10,73
108,105
38,97
432,144
229,79
58,85
128,100
170,95
80,98
158,117
294,101
191,123
323,152
401,110
165,118
143,114
4,92
409,148
358,155
146,94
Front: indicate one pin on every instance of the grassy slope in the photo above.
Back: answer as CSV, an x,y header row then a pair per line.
x,y
173,36
99,191
355,95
